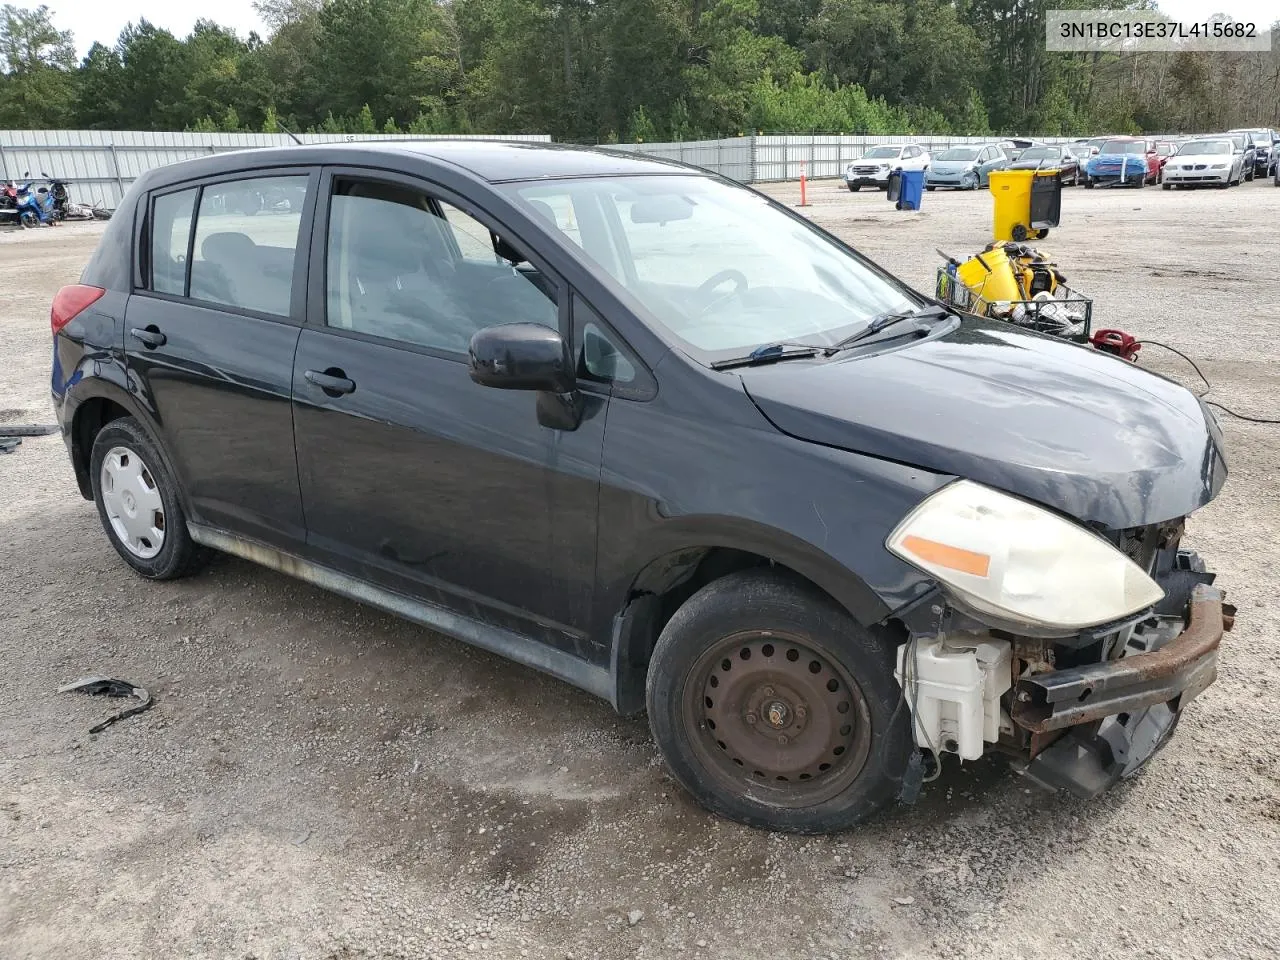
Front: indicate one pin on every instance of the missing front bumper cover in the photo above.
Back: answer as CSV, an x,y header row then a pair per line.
x,y
1121,712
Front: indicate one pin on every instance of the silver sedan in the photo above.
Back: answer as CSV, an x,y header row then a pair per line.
x,y
1204,163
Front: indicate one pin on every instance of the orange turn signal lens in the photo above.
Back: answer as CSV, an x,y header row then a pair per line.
x,y
944,555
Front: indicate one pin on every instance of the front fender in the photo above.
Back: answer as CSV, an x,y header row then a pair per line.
x,y
824,513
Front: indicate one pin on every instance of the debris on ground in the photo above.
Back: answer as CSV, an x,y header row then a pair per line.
x,y
108,686
11,434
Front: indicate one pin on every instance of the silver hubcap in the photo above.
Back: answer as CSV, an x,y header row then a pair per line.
x,y
133,503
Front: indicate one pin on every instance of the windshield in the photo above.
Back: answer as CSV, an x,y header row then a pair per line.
x,y
1115,148
1200,148
717,265
882,153
958,153
1041,153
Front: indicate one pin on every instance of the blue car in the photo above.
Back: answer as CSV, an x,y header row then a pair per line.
x,y
1124,160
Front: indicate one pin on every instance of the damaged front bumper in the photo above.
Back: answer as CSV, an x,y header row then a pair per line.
x,y
1093,725
1077,714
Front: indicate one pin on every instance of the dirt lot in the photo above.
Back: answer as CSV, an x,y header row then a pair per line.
x,y
321,781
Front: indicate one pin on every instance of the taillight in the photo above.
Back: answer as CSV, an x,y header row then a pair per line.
x,y
70,301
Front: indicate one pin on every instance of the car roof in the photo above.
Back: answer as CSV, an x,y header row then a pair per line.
x,y
496,161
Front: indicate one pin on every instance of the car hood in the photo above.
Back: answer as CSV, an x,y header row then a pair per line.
x,y
952,166
1038,164
1089,434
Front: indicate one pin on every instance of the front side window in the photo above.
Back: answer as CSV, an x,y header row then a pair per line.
x,y
246,243
403,266
717,265
170,231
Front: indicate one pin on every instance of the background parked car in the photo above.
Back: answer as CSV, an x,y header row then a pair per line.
x,y
873,169
1124,160
1047,158
1014,146
1166,149
1263,139
1248,149
1082,150
966,167
1203,163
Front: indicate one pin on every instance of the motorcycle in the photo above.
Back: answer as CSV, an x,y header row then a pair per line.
x,y
8,202
35,206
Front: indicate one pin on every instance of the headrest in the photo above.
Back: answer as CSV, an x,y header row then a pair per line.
x,y
543,209
227,246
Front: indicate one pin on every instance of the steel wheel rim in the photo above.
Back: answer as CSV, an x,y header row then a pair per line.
x,y
763,721
132,501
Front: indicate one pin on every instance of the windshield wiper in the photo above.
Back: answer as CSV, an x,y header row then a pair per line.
x,y
769,353
884,320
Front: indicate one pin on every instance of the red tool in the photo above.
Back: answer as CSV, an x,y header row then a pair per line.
x,y
1117,342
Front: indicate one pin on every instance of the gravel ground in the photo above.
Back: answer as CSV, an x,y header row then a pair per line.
x,y
321,781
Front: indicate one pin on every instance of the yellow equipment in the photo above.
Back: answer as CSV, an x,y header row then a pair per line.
x,y
1027,203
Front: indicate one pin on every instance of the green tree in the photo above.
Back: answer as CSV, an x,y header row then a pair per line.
x,y
37,83
271,123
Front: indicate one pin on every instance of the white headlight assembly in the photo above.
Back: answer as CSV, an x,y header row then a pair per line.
x,y
1021,563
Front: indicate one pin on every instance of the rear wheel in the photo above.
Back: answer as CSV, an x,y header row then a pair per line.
x,y
137,501
774,708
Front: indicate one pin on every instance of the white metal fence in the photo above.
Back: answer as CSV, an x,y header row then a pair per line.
x,y
99,165
758,159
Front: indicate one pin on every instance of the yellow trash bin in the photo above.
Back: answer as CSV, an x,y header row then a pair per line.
x,y
1027,203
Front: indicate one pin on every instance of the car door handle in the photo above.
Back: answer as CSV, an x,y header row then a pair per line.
x,y
333,381
150,336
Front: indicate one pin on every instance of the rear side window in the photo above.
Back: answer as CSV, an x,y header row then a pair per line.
x,y
171,217
246,242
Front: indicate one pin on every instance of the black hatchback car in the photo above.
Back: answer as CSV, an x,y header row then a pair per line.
x,y
656,434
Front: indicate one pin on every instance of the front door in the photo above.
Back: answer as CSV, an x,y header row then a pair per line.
x,y
412,474
210,338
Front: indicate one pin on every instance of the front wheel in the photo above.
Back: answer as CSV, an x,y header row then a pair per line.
x,y
774,708
930,188
1167,186
137,501
1088,183
854,187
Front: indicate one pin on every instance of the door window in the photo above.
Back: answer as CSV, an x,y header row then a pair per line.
x,y
600,357
404,266
170,231
246,242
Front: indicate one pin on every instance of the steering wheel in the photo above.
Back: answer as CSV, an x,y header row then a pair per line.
x,y
716,279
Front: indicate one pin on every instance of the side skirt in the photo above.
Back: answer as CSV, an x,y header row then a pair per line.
x,y
505,643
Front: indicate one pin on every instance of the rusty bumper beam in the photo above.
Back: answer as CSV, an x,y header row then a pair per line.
x,y
1181,668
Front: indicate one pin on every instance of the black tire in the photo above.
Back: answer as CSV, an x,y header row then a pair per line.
x,y
854,187
776,616
1167,186
179,555
930,189
1088,183
1248,177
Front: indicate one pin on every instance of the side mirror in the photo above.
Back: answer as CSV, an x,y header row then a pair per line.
x,y
520,356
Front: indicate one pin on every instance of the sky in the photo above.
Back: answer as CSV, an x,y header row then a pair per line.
x,y
102,20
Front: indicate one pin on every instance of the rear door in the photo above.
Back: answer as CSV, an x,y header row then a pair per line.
x,y
210,335
412,475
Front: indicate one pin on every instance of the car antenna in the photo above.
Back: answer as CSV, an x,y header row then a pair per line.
x,y
296,138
